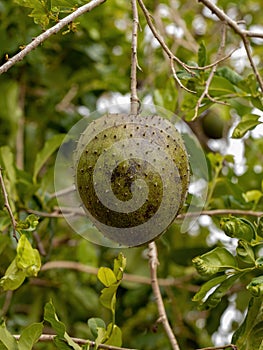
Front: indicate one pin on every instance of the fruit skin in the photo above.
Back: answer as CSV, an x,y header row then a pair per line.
x,y
148,150
213,124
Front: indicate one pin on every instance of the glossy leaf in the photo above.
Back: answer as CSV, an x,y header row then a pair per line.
x,y
238,228
202,55
106,276
108,297
253,196
205,288
214,261
115,335
29,224
221,86
6,338
215,298
245,252
249,336
39,10
256,286
29,336
95,323
28,258
248,122
58,326
119,266
13,277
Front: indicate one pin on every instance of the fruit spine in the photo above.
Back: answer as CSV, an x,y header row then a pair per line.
x,y
132,176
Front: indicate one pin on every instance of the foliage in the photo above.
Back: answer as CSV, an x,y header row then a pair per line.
x,y
216,265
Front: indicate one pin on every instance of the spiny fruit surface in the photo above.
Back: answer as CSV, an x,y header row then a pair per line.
x,y
132,176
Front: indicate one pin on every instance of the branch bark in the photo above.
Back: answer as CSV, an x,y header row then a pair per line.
x,y
153,261
92,344
49,32
7,205
244,34
165,282
134,60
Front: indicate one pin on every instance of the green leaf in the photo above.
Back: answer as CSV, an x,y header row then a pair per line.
x,y
252,196
51,317
248,122
108,297
202,55
119,266
29,224
58,326
40,11
229,74
216,260
102,336
13,277
28,258
50,147
245,252
29,336
115,335
256,286
260,227
250,334
215,298
6,338
95,323
259,262
238,228
221,86
205,288
106,276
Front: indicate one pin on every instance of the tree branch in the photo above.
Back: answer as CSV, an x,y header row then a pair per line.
x,y
134,59
153,262
220,347
68,211
244,34
53,30
222,212
92,344
7,205
166,49
165,282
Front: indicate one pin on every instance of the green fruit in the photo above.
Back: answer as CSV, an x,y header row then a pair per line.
x,y
132,176
213,125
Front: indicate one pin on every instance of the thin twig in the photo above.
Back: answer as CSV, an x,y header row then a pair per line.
x,y
68,211
176,77
216,212
63,192
165,282
153,262
244,34
53,30
232,346
205,93
40,245
92,344
7,302
166,49
211,65
7,205
134,59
